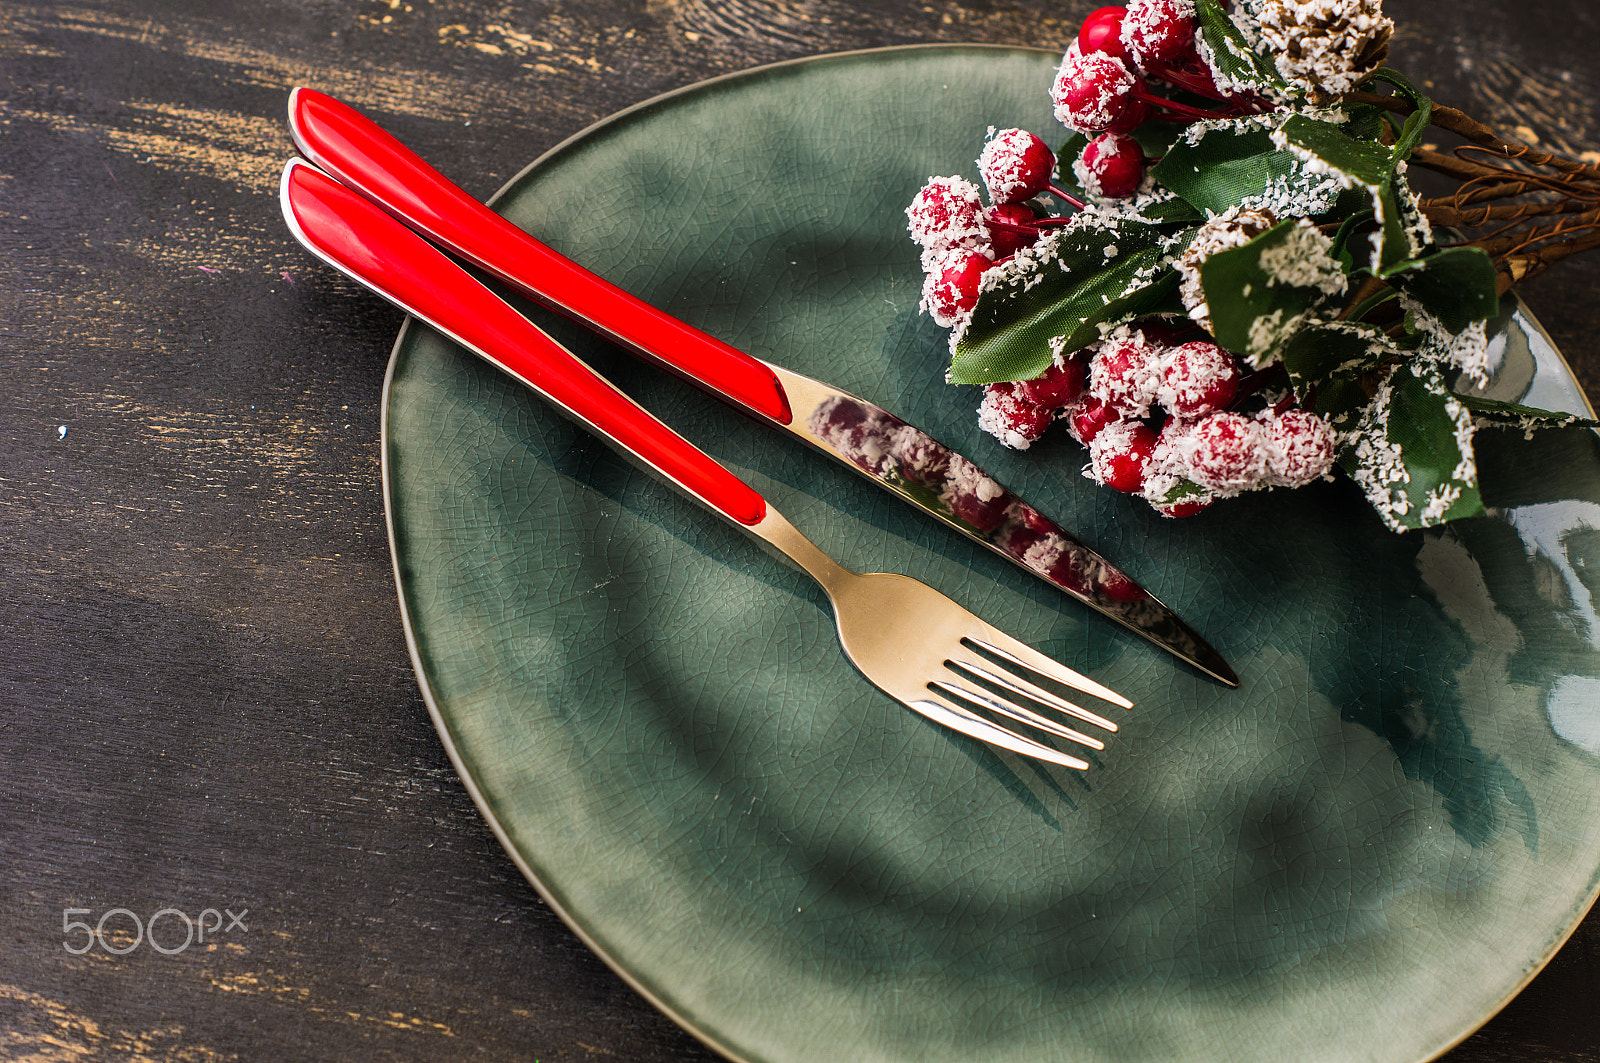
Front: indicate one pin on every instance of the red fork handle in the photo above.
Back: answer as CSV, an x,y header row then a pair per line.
x,y
345,143
356,236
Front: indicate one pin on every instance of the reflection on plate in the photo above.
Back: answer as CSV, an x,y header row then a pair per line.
x,y
1360,854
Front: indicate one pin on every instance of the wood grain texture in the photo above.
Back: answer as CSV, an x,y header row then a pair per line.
x,y
205,699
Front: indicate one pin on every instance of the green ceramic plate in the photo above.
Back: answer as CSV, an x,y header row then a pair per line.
x,y
1361,854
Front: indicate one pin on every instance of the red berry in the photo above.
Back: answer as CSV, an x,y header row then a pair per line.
x,y
1227,452
1197,378
1011,417
1094,92
947,213
1102,32
1158,33
1126,373
1016,165
1120,454
1088,416
1111,166
951,289
1187,507
1300,448
1004,221
1059,386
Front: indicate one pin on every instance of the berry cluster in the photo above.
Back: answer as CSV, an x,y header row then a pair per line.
x,y
1164,412
1160,419
1103,85
961,239
1101,90
1248,320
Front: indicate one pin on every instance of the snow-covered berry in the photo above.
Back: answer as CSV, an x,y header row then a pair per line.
x,y
1094,92
947,213
1227,452
1011,417
1111,166
1102,32
1059,386
1011,228
1126,373
1086,417
1158,33
1197,378
1016,165
1300,448
950,290
1120,453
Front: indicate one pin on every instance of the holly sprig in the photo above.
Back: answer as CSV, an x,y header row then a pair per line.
x,y
1361,303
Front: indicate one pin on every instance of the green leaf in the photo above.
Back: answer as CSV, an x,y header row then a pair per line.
x,y
1234,58
1223,167
1365,162
1406,86
1225,163
1341,401
1418,120
1341,239
1254,310
1411,132
1174,211
1497,414
1456,286
1364,122
1157,137
1326,350
1378,298
1058,295
1370,166
1411,451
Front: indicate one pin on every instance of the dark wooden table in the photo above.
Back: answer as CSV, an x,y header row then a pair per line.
x,y
205,697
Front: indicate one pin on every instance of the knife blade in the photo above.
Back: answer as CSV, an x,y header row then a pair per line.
x,y
899,457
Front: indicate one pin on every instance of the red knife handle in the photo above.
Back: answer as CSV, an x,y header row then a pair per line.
x,y
351,147
358,237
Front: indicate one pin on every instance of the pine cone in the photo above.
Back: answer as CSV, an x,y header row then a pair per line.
x,y
1233,229
1326,47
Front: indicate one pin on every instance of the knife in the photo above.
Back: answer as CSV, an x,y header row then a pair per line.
x,y
899,457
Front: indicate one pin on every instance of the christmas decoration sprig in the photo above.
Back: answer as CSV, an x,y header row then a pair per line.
x,y
1228,284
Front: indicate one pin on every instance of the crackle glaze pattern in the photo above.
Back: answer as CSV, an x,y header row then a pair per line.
x,y
1358,856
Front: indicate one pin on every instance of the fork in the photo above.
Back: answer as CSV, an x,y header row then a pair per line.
x,y
911,641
